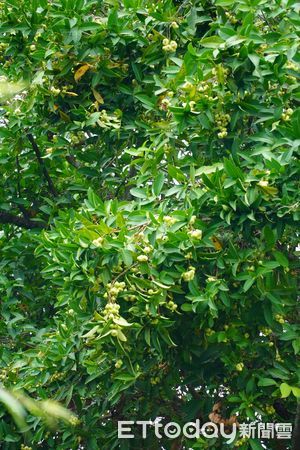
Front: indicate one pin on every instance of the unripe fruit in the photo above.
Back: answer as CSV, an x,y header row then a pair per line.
x,y
118,364
239,367
142,258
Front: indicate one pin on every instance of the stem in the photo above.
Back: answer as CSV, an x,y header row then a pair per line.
x,y
23,222
41,162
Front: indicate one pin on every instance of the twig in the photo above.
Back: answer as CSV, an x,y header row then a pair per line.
x,y
23,222
41,162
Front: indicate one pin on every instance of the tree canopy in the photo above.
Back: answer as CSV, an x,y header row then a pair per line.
x,y
149,211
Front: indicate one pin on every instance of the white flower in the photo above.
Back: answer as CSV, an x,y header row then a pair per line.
x,y
98,242
195,234
189,275
187,86
263,183
169,220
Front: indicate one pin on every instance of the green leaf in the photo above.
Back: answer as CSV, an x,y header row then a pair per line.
x,y
296,391
158,183
270,237
127,257
139,192
266,382
281,259
232,169
248,283
146,100
211,42
285,390
255,444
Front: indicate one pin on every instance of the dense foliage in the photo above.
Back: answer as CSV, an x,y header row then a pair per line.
x,y
149,210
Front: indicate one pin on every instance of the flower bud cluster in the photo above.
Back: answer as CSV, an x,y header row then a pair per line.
x,y
56,376
231,17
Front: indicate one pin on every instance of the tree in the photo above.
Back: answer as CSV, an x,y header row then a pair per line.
x,y
149,209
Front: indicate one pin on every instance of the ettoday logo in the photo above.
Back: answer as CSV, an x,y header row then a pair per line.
x,y
194,430
172,430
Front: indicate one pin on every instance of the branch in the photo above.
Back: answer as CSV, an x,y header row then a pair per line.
x,y
41,162
72,160
19,221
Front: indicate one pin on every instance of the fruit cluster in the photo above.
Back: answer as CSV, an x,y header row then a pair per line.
x,y
209,332
172,306
279,318
270,409
222,121
266,331
113,290
286,115
111,311
239,367
169,46
118,364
